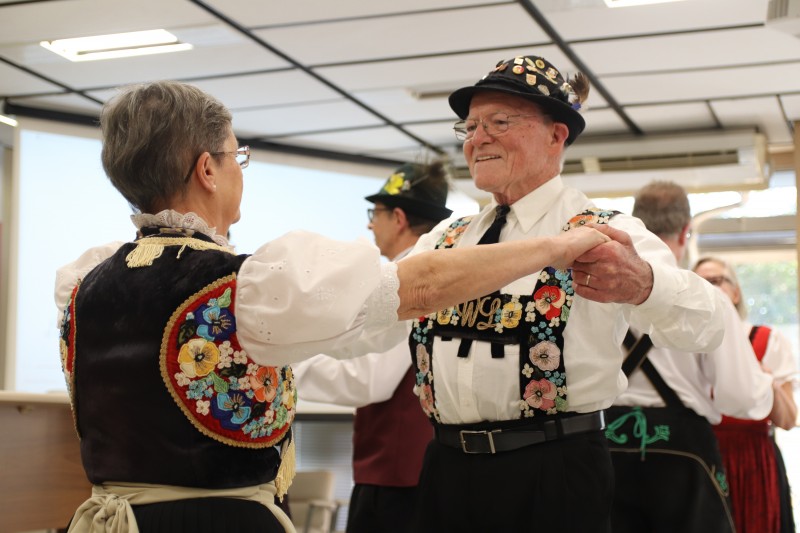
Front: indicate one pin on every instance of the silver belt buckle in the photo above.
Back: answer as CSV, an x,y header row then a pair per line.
x,y
489,436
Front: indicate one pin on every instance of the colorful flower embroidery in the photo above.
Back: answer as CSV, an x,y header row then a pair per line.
x,y
220,389
545,355
540,394
423,359
511,314
216,322
549,300
265,384
198,357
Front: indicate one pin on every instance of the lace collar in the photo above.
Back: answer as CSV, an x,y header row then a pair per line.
x,y
173,219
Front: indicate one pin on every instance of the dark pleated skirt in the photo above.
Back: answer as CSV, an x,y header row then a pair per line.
x,y
206,515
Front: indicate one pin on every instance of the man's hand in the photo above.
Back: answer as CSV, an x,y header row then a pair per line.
x,y
613,271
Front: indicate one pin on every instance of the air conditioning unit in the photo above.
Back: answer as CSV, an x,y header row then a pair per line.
x,y
784,15
716,160
700,162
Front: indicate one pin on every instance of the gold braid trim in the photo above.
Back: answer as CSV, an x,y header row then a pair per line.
x,y
287,469
149,249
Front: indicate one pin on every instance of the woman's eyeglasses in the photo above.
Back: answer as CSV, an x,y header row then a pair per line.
x,y
242,155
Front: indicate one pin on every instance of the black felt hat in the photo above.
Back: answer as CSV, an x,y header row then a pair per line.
x,y
417,189
535,79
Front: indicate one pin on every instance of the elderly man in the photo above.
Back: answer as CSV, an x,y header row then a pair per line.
x,y
668,469
516,382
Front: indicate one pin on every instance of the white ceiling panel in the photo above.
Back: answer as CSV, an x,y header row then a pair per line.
x,y
401,106
675,117
267,90
406,35
765,113
602,122
791,105
604,22
28,23
218,50
256,13
71,103
690,51
289,120
15,81
669,87
436,73
353,142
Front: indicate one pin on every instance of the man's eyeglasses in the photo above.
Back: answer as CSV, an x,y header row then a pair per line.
x,y
719,280
242,155
495,124
371,211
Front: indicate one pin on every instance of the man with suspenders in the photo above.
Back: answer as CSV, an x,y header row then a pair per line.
x,y
515,382
668,469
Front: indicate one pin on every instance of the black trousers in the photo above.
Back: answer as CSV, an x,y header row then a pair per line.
x,y
375,509
206,515
562,485
677,484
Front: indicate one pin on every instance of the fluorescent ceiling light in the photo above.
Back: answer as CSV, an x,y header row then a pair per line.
x,y
628,3
136,43
8,120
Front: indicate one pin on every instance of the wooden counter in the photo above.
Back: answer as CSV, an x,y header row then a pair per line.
x,y
42,481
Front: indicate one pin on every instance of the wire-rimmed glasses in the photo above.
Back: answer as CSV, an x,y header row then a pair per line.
x,y
242,155
495,124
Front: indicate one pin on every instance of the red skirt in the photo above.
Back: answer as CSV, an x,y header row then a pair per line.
x,y
750,467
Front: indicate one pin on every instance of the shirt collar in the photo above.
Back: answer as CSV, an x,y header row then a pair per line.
x,y
529,209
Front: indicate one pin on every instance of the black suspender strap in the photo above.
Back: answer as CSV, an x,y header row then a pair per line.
x,y
637,357
637,351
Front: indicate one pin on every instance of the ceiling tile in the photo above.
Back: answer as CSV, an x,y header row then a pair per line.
x,y
253,14
672,117
289,120
353,142
763,113
406,35
597,22
70,103
15,81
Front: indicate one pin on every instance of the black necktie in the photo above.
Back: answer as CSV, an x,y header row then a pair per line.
x,y
492,234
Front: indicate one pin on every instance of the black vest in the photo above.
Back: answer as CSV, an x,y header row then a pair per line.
x,y
134,342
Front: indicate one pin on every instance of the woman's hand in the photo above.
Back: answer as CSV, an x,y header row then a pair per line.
x,y
576,242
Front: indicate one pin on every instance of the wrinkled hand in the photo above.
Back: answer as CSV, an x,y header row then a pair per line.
x,y
613,271
576,242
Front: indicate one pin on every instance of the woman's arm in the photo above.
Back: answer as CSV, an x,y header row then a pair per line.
x,y
436,279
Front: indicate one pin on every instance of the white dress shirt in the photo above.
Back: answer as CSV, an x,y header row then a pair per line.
x,y
725,381
680,313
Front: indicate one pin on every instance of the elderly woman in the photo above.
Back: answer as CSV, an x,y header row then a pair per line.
x,y
176,350
760,496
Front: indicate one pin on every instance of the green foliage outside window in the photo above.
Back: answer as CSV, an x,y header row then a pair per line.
x,y
770,292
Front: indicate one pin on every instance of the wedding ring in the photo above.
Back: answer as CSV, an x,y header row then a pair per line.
x,y
588,277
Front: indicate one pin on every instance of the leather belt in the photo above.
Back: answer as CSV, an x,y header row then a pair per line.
x,y
471,440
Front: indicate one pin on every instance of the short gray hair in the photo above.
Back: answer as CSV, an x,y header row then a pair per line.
x,y
152,135
663,206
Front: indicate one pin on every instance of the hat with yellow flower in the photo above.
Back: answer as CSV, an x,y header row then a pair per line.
x,y
535,79
418,189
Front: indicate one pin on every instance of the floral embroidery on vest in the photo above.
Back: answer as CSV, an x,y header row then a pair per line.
x,y
67,349
534,322
223,393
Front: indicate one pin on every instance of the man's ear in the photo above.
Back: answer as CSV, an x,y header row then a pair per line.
x,y
683,236
400,217
560,133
